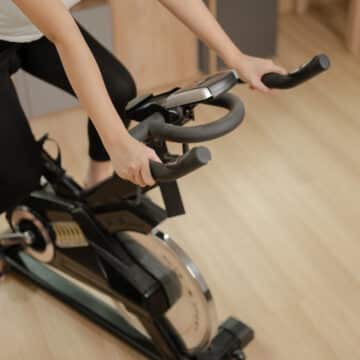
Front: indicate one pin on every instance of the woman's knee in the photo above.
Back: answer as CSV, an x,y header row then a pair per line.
x,y
31,180
122,89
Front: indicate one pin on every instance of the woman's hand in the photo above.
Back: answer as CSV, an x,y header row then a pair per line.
x,y
251,69
131,161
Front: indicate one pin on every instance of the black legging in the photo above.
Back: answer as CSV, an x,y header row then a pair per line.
x,y
20,159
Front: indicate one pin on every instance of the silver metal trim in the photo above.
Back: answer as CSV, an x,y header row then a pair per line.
x,y
23,212
183,97
16,238
193,270
185,259
196,94
194,314
235,73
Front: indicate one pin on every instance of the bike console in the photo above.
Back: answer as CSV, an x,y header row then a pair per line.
x,y
207,89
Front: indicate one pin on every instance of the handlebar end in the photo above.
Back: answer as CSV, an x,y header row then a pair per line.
x,y
191,161
324,61
203,155
316,66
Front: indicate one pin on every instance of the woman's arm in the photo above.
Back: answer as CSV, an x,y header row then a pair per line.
x,y
197,17
130,158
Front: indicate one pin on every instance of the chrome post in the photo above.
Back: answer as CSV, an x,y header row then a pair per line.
x,y
16,239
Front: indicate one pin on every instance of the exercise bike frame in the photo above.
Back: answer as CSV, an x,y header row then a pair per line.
x,y
96,251
96,265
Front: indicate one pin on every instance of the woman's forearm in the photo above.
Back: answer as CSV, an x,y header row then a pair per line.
x,y
197,17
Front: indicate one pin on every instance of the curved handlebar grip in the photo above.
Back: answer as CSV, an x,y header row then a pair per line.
x,y
156,126
144,129
316,66
191,161
206,132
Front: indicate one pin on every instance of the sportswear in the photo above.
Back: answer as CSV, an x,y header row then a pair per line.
x,y
15,26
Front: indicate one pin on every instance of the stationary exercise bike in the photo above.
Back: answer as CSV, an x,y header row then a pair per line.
x,y
78,243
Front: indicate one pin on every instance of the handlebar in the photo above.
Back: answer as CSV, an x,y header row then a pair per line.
x,y
156,126
316,66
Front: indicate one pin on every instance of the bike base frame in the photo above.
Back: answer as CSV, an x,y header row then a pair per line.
x,y
82,301
233,336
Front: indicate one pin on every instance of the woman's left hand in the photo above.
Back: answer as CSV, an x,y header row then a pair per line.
x,y
251,70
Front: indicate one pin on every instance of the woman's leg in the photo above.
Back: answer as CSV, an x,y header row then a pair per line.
x,y
20,156
40,58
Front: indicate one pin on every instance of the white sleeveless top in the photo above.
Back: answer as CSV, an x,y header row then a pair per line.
x,y
16,27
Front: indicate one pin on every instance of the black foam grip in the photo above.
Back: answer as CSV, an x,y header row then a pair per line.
x,y
142,131
316,66
155,125
209,131
191,161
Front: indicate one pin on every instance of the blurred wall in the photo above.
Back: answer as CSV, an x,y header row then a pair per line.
x,y
241,19
289,5
156,47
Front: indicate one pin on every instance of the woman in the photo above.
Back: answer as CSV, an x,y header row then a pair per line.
x,y
42,38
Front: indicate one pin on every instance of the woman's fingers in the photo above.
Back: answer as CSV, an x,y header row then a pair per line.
x,y
134,175
281,70
142,176
146,175
278,69
272,67
154,157
139,178
257,84
146,170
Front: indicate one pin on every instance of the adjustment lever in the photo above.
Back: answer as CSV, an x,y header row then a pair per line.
x,y
16,239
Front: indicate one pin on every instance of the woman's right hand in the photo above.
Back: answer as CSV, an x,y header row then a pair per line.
x,y
131,161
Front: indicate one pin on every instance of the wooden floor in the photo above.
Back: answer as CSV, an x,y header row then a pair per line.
x,y
273,221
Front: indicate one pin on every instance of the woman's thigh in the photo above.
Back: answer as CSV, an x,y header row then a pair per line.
x,y
41,59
